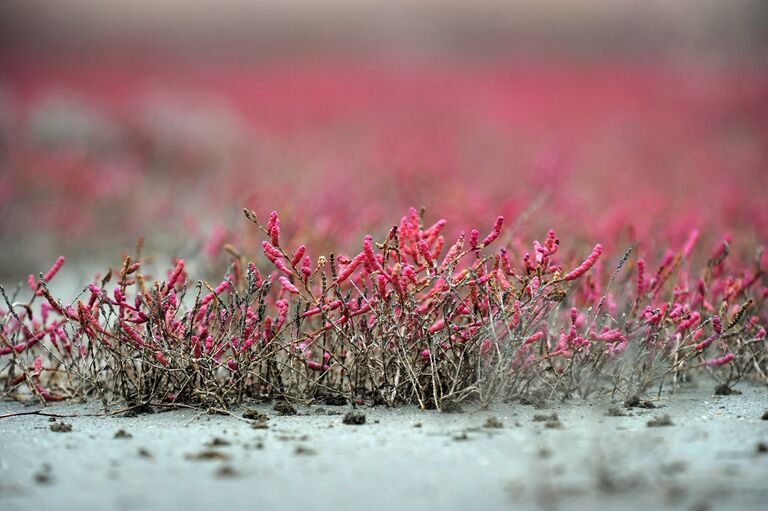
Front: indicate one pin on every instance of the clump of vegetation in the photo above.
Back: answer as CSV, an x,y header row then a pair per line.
x,y
411,318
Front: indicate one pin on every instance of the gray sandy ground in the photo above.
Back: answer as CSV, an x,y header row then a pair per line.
x,y
400,459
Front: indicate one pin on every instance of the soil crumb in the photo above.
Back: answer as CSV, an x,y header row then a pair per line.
x,y
145,453
724,390
121,433
226,471
255,415
493,423
535,399
765,415
61,427
334,400
636,402
218,442
44,475
284,408
762,447
303,450
664,420
209,455
259,425
540,417
354,418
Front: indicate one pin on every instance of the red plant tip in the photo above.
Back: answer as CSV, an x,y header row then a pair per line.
x,y
161,358
288,286
54,269
425,253
717,325
719,360
298,255
495,232
473,237
174,277
535,337
690,242
640,277
587,264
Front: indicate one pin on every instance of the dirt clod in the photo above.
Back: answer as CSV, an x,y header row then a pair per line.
x,y
218,442
636,402
285,408
145,453
303,450
724,390
663,420
226,471
540,417
762,447
493,422
255,415
259,425
765,415
121,433
334,400
61,427
354,419
44,475
209,455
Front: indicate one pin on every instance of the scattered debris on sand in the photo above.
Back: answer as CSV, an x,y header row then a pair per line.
x,y
636,402
121,433
663,420
44,475
303,450
540,417
284,408
724,390
259,425
61,427
226,471
218,442
255,415
334,400
145,453
354,418
493,423
209,455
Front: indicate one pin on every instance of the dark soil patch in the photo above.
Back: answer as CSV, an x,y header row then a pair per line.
x,y
553,425
303,450
615,411
493,422
540,417
145,453
260,425
765,416
136,409
636,402
218,442
44,475
354,419
121,433
255,415
61,427
226,471
725,390
284,408
762,447
537,399
663,420
209,455
334,400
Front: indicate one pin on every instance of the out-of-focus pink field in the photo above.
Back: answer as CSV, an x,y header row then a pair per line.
x,y
632,154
